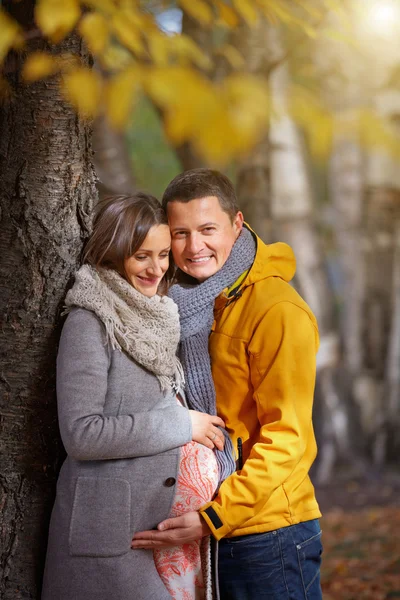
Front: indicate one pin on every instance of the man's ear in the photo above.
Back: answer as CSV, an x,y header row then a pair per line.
x,y
238,222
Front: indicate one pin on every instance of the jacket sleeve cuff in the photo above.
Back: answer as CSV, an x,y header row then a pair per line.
x,y
210,514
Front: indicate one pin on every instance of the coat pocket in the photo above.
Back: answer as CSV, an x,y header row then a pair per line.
x,y
100,520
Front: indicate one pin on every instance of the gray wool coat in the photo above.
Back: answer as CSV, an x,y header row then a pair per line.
x,y
122,437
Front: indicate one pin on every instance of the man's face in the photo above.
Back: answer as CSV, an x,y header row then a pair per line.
x,y
202,235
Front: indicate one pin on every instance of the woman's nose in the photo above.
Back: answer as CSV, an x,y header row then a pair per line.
x,y
156,268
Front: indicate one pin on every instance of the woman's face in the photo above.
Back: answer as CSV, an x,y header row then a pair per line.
x,y
147,266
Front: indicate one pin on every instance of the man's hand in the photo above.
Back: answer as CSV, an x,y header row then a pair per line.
x,y
173,532
205,429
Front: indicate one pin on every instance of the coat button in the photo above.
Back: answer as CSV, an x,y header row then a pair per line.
x,y
170,482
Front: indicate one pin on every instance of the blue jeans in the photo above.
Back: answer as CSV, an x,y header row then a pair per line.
x,y
278,565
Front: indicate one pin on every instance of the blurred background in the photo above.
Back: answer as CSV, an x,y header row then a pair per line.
x,y
325,178
298,102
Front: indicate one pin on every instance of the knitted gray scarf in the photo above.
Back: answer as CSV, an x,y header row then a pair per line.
x,y
196,311
147,329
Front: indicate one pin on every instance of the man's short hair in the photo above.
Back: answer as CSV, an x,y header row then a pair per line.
x,y
200,183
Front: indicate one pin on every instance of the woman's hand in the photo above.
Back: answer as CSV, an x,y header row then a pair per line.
x,y
205,430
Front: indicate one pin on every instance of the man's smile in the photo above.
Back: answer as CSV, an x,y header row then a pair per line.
x,y
201,259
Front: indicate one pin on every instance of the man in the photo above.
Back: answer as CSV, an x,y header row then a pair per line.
x,y
262,345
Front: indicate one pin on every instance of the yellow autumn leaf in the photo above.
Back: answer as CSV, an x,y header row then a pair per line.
x,y
120,93
375,132
339,36
82,88
226,15
186,98
334,5
315,12
168,86
198,9
320,136
10,34
304,105
247,101
221,141
158,48
39,65
57,18
303,25
95,31
272,9
246,10
221,136
218,141
185,48
116,58
107,7
126,26
232,55
187,120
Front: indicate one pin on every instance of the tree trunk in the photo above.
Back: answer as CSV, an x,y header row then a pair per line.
x,y
381,319
253,190
254,170
392,370
347,186
111,160
293,211
47,191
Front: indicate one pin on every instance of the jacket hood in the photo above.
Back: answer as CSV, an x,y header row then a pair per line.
x,y
272,260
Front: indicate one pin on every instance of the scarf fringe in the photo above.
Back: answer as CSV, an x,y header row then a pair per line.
x,y
147,329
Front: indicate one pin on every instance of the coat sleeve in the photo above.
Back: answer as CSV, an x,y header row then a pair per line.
x,y
282,361
82,373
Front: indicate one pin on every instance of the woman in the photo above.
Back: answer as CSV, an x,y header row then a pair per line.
x,y
122,420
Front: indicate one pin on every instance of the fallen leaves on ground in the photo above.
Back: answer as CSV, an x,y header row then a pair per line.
x,y
361,559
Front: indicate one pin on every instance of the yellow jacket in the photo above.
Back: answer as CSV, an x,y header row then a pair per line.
x,y
263,346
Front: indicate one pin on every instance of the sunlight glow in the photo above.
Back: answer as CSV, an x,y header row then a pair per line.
x,y
383,17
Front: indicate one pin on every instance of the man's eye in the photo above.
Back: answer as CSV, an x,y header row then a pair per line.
x,y
209,229
179,234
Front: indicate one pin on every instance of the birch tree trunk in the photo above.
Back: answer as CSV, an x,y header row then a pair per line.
x,y
293,212
392,367
382,364
347,186
364,186
46,194
366,197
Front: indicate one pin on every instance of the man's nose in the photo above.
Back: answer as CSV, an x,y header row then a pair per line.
x,y
194,244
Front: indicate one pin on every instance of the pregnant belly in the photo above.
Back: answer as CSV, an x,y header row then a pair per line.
x,y
182,568
197,478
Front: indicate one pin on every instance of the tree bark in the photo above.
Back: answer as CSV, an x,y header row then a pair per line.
x,y
347,186
392,370
254,170
47,190
111,160
294,214
381,318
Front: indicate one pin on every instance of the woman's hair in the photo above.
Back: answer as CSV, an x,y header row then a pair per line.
x,y
120,226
